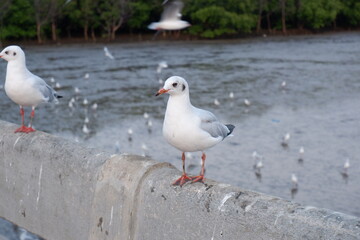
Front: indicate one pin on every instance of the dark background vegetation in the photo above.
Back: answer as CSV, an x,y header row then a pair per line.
x,y
91,20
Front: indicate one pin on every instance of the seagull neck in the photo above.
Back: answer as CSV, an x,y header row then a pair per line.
x,y
180,101
18,66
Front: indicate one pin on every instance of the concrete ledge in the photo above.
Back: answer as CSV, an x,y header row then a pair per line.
x,y
61,190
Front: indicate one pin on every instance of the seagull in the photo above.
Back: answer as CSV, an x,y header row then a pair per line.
x,y
188,128
108,53
247,102
283,84
86,120
58,85
161,66
259,165
301,152
85,101
130,133
94,106
216,102
149,124
86,76
285,142
231,95
346,165
171,17
85,129
76,90
71,104
146,115
294,181
23,87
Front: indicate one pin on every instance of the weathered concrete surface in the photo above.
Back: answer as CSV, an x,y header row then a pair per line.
x,y
62,190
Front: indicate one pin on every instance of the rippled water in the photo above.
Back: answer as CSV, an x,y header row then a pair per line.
x,y
319,107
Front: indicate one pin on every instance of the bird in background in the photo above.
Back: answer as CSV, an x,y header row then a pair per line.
x,y
346,166
161,66
171,17
285,140
108,53
301,153
23,87
187,128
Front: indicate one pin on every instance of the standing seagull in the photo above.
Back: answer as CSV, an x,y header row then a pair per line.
x,y
171,17
188,128
23,87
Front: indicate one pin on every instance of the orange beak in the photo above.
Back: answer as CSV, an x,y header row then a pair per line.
x,y
161,91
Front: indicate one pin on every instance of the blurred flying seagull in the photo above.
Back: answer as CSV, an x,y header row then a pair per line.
x,y
108,53
171,17
161,66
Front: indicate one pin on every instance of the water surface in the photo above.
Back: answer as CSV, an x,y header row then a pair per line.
x,y
319,107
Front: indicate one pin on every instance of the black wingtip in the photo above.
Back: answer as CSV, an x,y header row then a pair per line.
x,y
58,96
230,127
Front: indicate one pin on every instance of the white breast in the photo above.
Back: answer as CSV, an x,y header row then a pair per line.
x,y
182,130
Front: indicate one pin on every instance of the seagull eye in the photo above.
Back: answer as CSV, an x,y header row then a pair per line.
x,y
174,84
14,53
7,52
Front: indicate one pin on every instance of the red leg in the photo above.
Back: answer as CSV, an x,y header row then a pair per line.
x,y
32,115
184,178
200,178
22,128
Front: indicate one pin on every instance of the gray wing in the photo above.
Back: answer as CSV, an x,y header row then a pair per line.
x,y
210,124
48,92
172,10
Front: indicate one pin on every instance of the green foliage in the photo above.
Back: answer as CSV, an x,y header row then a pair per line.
x,y
209,18
140,15
319,13
214,21
19,22
351,11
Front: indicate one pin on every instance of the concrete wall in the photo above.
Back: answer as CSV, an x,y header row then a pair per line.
x,y
61,190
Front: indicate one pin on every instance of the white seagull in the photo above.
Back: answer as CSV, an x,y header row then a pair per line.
x,y
171,17
108,53
23,87
188,128
294,181
161,66
346,165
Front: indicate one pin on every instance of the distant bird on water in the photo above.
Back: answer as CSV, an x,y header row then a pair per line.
x,y
171,17
301,153
346,165
188,128
23,87
294,181
285,141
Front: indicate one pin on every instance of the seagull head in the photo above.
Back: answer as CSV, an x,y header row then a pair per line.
x,y
12,53
174,86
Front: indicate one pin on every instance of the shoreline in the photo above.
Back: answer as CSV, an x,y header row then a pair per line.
x,y
172,37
